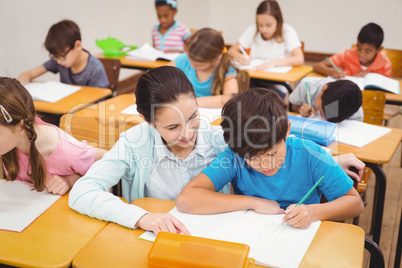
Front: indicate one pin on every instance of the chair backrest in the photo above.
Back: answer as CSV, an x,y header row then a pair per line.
x,y
373,106
243,80
101,132
112,68
376,255
395,56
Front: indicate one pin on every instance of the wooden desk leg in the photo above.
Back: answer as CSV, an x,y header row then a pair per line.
x,y
379,199
398,250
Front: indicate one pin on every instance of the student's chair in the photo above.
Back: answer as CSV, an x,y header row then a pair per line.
x,y
243,80
112,68
376,255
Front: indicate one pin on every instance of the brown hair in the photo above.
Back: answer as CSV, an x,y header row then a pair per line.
x,y
205,46
271,7
254,121
159,86
61,36
17,101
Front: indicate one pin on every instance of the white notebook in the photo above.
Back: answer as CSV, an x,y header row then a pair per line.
x,y
147,52
359,134
271,244
376,82
20,205
255,62
50,91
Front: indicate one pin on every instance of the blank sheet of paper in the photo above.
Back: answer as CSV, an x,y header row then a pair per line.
x,y
359,134
271,244
20,205
50,91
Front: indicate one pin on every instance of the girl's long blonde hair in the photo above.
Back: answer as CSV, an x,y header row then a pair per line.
x,y
271,7
206,45
18,103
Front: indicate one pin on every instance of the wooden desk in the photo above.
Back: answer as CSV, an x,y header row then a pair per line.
x,y
101,124
74,102
137,64
390,98
52,240
294,75
338,243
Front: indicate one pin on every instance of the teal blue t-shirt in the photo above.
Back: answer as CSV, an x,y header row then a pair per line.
x,y
304,164
203,89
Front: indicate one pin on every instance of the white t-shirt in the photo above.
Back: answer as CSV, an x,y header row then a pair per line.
x,y
271,49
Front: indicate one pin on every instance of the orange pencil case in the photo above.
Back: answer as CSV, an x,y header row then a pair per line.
x,y
177,250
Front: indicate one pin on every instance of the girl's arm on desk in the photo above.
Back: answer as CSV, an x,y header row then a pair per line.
x,y
238,55
296,59
199,196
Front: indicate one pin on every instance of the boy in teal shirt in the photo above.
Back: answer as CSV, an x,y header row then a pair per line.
x,y
270,172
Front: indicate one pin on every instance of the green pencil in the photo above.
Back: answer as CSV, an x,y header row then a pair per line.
x,y
333,65
309,192
308,94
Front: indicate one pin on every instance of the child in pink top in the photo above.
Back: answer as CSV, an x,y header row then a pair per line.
x,y
34,151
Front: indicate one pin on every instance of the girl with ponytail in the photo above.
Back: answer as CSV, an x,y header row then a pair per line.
x,y
34,151
209,68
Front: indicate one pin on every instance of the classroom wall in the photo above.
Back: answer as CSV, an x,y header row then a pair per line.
x,y
324,25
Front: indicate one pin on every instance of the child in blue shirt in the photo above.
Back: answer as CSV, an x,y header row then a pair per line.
x,y
270,172
67,57
169,35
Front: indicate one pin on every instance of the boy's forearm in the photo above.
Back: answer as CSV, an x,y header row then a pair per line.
x,y
321,68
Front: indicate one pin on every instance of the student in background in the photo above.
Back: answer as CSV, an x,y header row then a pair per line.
x,y
358,61
67,57
209,68
36,152
169,35
334,101
270,172
271,40
153,159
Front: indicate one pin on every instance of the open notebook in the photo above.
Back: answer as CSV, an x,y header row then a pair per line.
x,y
147,52
20,205
377,82
271,244
50,91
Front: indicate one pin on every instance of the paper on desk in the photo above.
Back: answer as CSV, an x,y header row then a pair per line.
x,y
206,114
50,91
148,52
359,134
255,62
271,244
20,205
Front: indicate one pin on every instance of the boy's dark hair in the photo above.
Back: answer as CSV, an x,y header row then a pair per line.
x,y
61,36
254,122
341,100
159,86
371,34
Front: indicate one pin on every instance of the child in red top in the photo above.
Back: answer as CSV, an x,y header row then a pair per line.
x,y
363,59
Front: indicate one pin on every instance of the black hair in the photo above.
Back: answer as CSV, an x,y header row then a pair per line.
x,y
61,36
341,100
254,122
159,3
160,86
371,34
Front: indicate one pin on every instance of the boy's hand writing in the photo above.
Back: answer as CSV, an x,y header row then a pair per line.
x,y
165,222
337,74
265,206
298,216
306,110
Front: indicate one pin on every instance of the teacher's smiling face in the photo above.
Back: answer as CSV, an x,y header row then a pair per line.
x,y
178,123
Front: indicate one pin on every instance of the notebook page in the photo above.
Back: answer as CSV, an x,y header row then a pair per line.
x,y
20,205
359,134
271,244
50,91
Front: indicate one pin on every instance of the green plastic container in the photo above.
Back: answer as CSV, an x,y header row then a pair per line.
x,y
113,47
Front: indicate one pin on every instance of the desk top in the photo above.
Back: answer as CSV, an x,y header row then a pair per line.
x,y
52,240
74,102
378,152
295,74
338,243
